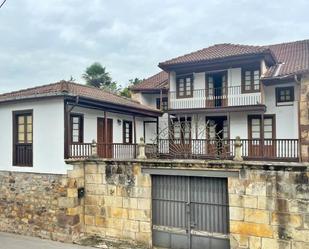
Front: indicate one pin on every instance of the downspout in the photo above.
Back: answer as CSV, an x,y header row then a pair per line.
x,y
298,118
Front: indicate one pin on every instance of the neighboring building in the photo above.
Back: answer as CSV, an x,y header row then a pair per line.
x,y
226,90
42,126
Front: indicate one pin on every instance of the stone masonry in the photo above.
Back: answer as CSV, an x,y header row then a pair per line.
x,y
304,117
117,200
35,205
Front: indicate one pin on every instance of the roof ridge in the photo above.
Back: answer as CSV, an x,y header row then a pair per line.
x,y
30,88
285,43
104,90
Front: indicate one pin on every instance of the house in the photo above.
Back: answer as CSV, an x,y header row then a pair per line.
x,y
215,94
44,125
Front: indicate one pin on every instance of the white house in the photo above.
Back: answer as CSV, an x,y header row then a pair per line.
x,y
213,95
42,126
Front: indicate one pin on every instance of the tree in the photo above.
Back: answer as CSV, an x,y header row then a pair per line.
x,y
126,91
97,76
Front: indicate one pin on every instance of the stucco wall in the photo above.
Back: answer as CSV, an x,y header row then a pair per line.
x,y
48,136
90,124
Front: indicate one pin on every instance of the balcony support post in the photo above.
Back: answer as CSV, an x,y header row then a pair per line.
x,y
134,131
105,133
262,135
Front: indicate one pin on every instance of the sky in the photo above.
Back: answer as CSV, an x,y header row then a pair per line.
x,y
49,40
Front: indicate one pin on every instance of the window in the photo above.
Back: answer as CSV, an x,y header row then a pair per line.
x,y
255,127
77,128
251,80
22,138
127,132
185,86
284,94
164,106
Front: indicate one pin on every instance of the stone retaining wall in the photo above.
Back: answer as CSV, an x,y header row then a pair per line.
x,y
29,205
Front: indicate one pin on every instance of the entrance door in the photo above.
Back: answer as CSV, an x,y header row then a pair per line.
x,y
216,89
190,212
262,144
217,135
180,145
105,147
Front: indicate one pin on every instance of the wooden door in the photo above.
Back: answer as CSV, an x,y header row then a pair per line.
x,y
216,89
180,145
261,141
105,145
217,136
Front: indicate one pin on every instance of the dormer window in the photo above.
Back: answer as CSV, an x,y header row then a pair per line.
x,y
184,86
250,80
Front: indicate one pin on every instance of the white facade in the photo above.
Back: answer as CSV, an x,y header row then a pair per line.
x,y
48,133
48,136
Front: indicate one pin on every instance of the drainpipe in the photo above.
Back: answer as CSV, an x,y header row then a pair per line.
x,y
298,118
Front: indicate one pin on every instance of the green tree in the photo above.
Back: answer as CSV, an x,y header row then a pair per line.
x,y
126,91
97,76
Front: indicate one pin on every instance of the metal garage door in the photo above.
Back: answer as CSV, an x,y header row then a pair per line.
x,y
190,212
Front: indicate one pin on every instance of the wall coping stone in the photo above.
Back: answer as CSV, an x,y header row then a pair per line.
x,y
201,164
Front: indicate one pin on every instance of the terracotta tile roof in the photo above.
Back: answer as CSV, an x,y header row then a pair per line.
x,y
155,82
65,88
217,51
292,57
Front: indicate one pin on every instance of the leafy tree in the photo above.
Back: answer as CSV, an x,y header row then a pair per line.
x,y
126,91
97,76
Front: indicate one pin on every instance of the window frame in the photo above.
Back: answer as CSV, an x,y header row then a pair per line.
x,y
185,95
252,85
262,136
15,131
163,108
124,131
278,89
81,127
182,121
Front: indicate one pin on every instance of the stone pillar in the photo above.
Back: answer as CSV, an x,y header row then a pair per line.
x,y
141,149
304,118
238,152
74,217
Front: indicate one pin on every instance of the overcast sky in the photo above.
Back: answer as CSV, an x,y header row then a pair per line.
x,y
44,41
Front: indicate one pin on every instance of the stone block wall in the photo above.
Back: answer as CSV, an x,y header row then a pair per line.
x,y
117,200
35,205
304,117
269,209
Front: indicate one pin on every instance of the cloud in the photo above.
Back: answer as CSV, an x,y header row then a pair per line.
x,y
46,41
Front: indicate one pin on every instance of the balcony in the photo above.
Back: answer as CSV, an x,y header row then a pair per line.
x,y
216,98
252,149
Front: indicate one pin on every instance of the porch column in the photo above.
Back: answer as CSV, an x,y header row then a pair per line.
x,y
157,131
67,137
134,138
105,133
262,135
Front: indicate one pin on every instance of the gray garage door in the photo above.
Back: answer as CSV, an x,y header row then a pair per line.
x,y
190,212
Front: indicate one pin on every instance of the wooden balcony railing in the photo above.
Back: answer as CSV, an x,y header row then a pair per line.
x,y
115,150
23,154
252,149
215,97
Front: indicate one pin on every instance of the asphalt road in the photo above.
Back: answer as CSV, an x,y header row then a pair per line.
x,y
13,241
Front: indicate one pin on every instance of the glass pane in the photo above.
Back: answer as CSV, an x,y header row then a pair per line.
x,y
21,137
268,135
248,73
75,133
21,119
21,128
29,119
29,128
255,121
188,80
268,128
75,126
75,139
29,137
75,120
268,121
256,135
256,85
